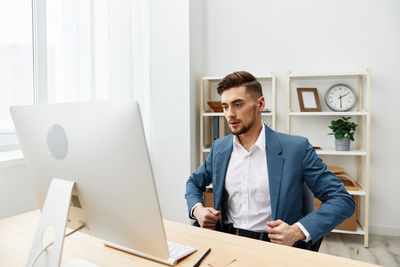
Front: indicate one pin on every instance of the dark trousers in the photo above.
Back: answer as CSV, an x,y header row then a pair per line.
x,y
228,228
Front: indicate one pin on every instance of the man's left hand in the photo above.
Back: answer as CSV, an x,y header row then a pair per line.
x,y
280,232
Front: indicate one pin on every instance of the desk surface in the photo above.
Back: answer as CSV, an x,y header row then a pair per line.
x,y
16,235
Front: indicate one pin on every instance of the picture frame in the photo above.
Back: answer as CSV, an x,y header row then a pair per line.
x,y
308,100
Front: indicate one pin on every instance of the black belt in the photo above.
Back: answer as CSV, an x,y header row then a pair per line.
x,y
228,228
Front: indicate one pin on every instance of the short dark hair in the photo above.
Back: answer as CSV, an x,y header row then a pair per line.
x,y
241,78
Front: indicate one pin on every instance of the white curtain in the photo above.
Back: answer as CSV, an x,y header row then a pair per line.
x,y
121,52
99,50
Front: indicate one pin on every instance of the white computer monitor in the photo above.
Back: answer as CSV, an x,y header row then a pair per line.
x,y
101,147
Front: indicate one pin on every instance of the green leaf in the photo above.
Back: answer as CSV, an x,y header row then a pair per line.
x,y
343,127
338,136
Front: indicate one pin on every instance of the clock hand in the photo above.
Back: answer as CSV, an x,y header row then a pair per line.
x,y
340,101
344,95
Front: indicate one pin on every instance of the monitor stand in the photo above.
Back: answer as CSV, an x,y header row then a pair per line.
x,y
54,217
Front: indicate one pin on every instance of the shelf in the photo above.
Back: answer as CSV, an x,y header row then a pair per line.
x,y
353,193
349,113
217,78
221,114
354,185
357,193
206,150
362,113
342,153
327,75
213,114
330,152
359,231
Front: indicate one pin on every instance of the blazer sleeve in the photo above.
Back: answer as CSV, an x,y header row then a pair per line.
x,y
197,182
337,204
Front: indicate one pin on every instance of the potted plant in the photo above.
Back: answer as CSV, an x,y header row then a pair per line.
x,y
344,130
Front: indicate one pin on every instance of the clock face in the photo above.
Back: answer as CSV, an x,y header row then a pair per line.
x,y
340,97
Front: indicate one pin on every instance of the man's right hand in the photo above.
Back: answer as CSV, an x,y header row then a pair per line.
x,y
207,217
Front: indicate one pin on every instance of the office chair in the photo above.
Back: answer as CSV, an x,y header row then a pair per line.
x,y
308,207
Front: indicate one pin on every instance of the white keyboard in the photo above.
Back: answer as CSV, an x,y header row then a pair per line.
x,y
178,251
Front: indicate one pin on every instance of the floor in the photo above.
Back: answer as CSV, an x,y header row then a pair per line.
x,y
382,250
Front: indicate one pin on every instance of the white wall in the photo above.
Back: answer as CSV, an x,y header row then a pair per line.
x,y
16,191
320,36
170,103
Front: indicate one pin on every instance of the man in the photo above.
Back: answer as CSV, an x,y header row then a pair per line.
x,y
258,177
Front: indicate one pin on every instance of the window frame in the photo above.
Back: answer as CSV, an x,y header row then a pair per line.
x,y
8,138
39,46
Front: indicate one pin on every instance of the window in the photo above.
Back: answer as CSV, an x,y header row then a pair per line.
x,y
82,50
69,51
98,50
16,64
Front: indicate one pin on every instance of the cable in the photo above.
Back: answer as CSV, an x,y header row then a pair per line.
x,y
45,248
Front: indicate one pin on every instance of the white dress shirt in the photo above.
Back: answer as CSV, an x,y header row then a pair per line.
x,y
246,182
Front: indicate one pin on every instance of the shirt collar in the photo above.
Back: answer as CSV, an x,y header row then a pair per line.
x,y
260,143
261,139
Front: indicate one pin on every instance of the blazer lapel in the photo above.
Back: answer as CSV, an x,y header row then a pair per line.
x,y
222,157
275,164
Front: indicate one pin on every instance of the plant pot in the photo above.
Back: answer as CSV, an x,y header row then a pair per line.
x,y
342,144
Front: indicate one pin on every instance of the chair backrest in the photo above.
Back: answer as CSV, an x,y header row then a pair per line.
x,y
308,200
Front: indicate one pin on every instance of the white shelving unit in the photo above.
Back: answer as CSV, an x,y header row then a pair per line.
x,y
361,112
221,114
207,84
359,231
325,113
332,151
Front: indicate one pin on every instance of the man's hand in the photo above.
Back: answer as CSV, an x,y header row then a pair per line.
x,y
280,232
207,217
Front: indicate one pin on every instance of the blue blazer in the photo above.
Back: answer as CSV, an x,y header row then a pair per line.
x,y
291,160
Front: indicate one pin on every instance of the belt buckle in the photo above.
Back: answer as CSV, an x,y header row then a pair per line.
x,y
237,231
261,236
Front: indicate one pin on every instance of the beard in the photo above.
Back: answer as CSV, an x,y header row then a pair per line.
x,y
242,130
246,127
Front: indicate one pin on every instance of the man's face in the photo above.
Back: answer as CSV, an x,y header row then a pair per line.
x,y
241,109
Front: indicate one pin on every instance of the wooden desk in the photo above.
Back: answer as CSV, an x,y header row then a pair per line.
x,y
16,235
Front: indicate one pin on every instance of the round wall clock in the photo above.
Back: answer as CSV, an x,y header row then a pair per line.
x,y
340,97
